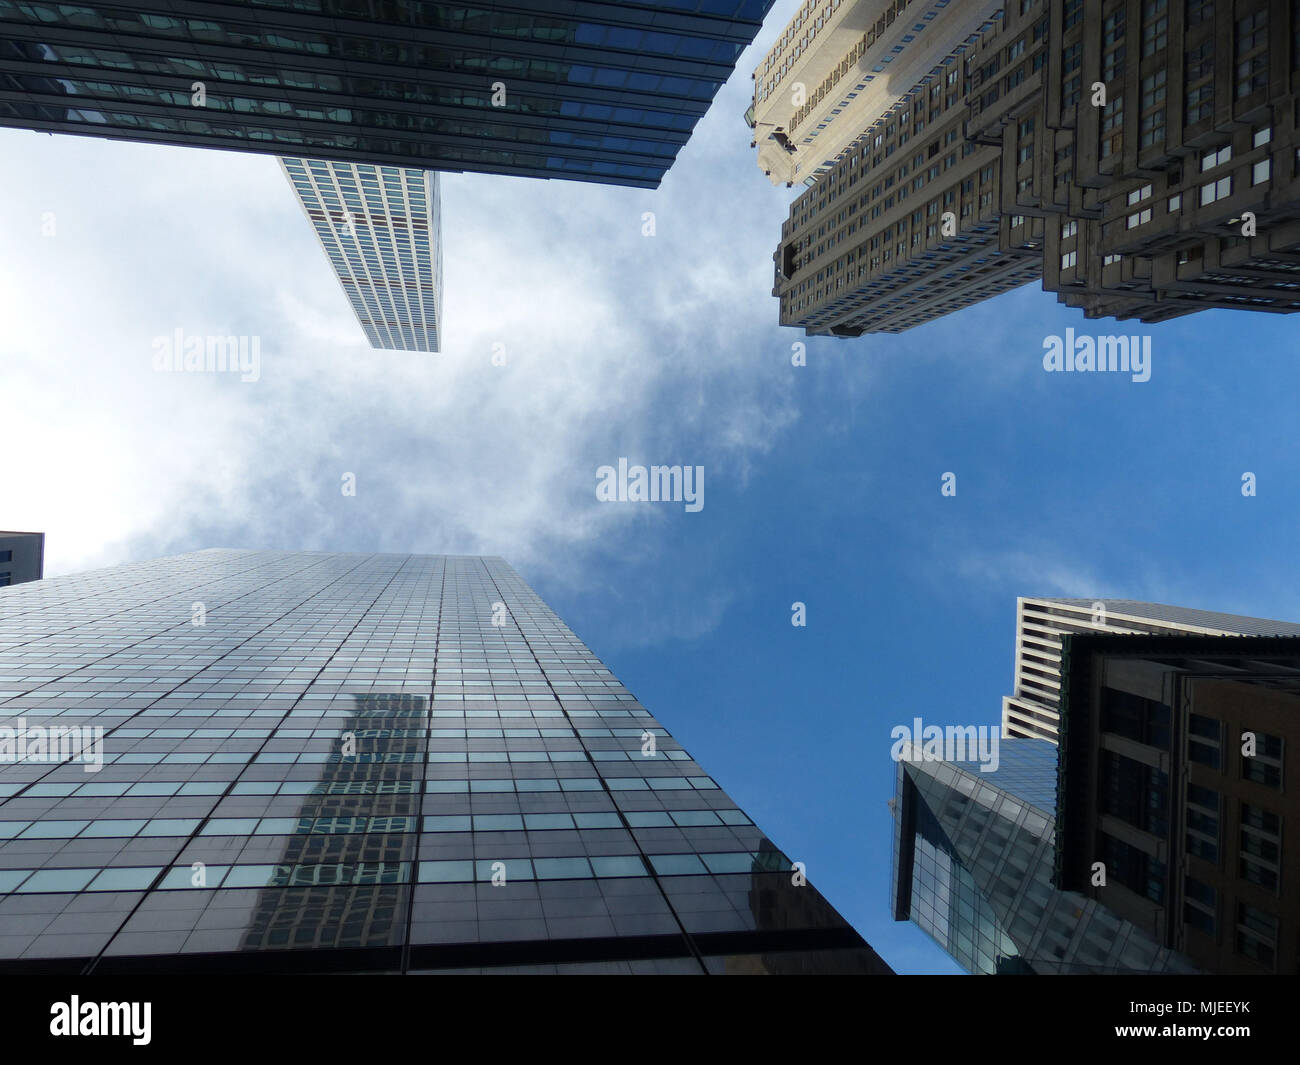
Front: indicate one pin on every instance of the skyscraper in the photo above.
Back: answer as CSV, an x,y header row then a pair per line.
x,y
974,856
1034,709
22,557
381,229
360,763
1178,778
842,63
1141,160
595,91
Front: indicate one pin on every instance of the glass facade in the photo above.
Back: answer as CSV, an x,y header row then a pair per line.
x,y
384,763
380,228
591,91
974,865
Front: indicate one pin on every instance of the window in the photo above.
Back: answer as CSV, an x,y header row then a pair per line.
x,y
6,556
1204,740
1143,720
1215,157
1261,137
1200,905
1135,869
1198,80
1139,194
1175,202
1261,847
1216,190
1203,822
1069,259
1112,121
1198,11
1153,89
1136,793
1155,26
1153,128
1113,48
1138,218
1252,53
1261,171
1069,229
1265,766
1256,933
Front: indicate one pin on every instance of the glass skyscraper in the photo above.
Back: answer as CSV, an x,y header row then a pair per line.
x,y
237,761
591,91
380,228
973,867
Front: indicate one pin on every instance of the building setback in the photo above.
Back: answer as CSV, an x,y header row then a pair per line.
x,y
363,763
381,229
1142,153
1034,710
586,90
1178,777
22,557
973,868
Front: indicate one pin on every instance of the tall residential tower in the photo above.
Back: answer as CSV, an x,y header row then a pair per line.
x,y
381,229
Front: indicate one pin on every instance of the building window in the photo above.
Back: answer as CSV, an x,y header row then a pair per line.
x,y
1139,194
1216,190
1069,229
1136,870
1200,905
1256,933
1261,846
1205,740
1136,793
1155,26
1261,171
1136,718
1252,53
1261,137
1069,259
1175,202
1265,765
1198,11
1215,157
1113,49
1198,81
1203,822
1153,128
1112,121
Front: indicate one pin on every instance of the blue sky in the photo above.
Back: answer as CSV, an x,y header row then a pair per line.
x,y
822,482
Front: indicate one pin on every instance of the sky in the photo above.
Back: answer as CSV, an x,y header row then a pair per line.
x,y
822,481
